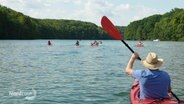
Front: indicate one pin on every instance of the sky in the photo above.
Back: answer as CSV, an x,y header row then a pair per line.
x,y
120,12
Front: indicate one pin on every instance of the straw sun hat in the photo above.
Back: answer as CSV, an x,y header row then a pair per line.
x,y
152,61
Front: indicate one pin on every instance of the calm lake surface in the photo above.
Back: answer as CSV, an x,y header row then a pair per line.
x,y
31,72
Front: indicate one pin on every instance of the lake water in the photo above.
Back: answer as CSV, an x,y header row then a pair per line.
x,y
31,72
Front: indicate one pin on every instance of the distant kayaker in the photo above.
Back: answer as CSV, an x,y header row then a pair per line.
x,y
95,43
140,42
154,83
100,42
77,43
49,43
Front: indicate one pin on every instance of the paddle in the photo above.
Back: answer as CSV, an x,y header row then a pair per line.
x,y
176,97
114,33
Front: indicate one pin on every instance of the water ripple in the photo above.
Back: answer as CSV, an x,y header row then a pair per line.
x,y
66,74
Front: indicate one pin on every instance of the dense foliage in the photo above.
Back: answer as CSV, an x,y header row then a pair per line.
x,y
15,25
169,26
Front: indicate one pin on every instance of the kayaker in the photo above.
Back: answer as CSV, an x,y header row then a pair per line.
x,y
77,43
140,43
49,43
95,43
154,83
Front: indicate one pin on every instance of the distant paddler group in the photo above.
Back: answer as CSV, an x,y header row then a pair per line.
x,y
95,43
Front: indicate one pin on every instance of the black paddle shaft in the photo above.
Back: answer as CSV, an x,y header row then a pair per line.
x,y
129,48
175,96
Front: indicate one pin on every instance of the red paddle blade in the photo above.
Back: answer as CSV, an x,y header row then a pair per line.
x,y
110,28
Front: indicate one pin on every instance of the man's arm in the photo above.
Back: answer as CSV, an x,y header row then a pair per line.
x,y
129,68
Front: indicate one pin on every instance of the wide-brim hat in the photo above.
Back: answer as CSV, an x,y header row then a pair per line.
x,y
152,61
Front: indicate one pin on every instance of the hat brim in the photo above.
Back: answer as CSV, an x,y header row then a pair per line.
x,y
153,66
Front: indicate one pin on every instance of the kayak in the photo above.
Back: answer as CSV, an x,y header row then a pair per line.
x,y
93,44
134,92
139,45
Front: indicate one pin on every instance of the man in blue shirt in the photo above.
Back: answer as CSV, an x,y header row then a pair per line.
x,y
154,83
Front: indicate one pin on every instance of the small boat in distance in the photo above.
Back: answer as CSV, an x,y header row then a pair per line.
x,y
140,44
156,40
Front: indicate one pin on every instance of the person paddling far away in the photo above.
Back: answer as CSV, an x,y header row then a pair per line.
x,y
154,83
49,43
77,43
140,43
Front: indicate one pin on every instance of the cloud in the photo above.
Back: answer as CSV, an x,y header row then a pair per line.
x,y
142,12
93,10
85,10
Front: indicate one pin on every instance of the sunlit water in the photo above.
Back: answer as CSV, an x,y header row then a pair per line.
x,y
33,73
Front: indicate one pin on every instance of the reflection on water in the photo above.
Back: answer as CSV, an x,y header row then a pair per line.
x,y
64,73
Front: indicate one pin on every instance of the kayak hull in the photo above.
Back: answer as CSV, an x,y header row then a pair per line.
x,y
139,45
93,44
135,99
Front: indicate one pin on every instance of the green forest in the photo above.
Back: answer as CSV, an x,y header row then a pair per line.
x,y
169,27
15,25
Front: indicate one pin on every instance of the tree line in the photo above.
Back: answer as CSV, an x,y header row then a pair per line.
x,y
15,25
169,26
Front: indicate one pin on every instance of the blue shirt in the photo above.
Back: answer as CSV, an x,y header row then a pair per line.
x,y
153,83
